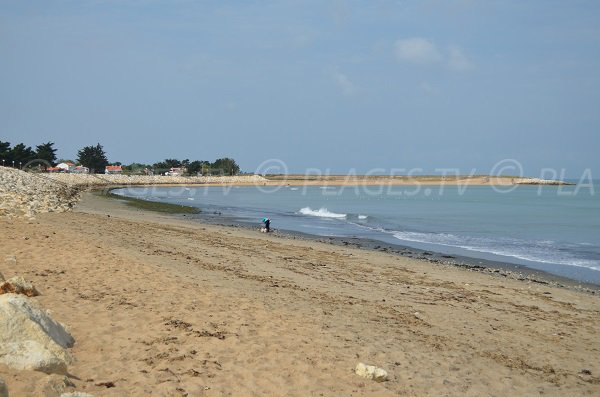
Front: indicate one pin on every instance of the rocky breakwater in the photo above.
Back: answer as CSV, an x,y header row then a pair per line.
x,y
538,181
24,194
98,180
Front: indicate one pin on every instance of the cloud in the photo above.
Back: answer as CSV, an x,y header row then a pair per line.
x,y
424,51
417,50
344,84
458,61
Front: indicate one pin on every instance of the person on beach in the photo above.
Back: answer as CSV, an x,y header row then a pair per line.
x,y
267,224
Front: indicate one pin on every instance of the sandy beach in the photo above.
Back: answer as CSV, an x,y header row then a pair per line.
x,y
163,306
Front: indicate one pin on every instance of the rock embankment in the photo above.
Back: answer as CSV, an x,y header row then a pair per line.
x,y
108,180
25,194
538,181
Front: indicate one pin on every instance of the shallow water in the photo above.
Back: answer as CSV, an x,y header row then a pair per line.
x,y
550,228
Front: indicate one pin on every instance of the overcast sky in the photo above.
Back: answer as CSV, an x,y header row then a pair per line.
x,y
318,84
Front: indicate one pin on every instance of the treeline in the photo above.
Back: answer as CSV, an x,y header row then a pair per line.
x,y
21,155
95,159
222,166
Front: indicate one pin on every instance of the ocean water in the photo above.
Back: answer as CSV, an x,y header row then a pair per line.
x,y
550,228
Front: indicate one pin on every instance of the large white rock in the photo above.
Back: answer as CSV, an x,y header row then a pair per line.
x,y
30,338
3,389
371,372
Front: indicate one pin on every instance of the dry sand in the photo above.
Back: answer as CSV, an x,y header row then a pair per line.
x,y
161,306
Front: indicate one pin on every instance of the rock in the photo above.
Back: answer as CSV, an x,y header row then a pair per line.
x,y
3,389
11,261
56,385
30,339
18,285
1,278
32,355
76,394
371,372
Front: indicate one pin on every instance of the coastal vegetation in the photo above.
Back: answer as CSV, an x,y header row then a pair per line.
x,y
95,158
21,154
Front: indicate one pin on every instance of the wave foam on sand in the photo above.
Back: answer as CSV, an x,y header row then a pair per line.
x,y
536,251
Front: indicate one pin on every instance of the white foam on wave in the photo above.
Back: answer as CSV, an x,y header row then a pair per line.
x,y
293,188
190,198
535,251
363,216
321,212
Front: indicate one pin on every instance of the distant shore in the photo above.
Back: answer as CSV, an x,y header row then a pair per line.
x,y
351,180
296,180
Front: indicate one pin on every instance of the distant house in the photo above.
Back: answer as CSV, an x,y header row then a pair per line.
x,y
176,171
113,169
54,169
80,169
66,167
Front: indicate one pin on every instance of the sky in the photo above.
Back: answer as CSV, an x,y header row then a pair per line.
x,y
336,86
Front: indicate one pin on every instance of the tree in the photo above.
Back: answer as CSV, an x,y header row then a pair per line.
x,y
172,163
93,157
21,154
227,165
136,168
166,165
46,152
5,152
197,166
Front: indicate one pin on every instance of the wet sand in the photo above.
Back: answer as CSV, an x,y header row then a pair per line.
x,y
163,306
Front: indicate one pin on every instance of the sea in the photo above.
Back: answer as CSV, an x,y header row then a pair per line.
x,y
555,229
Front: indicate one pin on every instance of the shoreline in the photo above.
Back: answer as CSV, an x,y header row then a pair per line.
x,y
488,266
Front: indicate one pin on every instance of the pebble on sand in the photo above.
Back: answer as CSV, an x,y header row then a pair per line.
x,y
371,372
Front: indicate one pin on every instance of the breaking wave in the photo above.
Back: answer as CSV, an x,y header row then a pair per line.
x,y
321,212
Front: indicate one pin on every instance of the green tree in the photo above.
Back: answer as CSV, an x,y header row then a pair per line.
x,y
93,157
197,166
5,152
163,166
226,165
21,155
172,163
46,152
136,168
